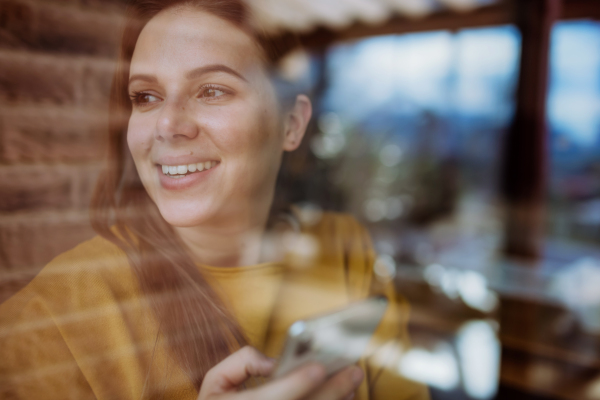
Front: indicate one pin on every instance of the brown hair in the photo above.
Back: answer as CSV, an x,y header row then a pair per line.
x,y
198,327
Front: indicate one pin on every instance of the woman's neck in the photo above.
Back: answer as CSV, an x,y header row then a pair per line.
x,y
238,242
223,248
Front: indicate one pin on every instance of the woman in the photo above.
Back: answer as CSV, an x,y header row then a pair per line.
x,y
163,303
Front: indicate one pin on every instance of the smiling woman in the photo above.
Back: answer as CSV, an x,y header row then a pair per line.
x,y
210,106
193,261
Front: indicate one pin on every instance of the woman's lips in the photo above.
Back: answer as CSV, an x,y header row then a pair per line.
x,y
190,179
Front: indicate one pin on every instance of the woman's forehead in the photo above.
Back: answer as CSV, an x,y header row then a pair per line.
x,y
178,40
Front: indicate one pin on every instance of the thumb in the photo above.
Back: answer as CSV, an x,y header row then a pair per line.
x,y
235,370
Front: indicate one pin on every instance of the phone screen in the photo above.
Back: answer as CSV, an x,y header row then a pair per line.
x,y
335,340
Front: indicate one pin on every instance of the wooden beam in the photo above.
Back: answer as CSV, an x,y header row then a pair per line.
x,y
501,13
581,9
497,14
523,180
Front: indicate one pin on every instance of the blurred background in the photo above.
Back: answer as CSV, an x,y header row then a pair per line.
x,y
464,133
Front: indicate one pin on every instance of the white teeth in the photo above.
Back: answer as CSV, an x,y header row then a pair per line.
x,y
179,171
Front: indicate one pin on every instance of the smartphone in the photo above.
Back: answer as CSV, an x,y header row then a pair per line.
x,y
335,340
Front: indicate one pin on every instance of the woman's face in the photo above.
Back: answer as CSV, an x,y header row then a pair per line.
x,y
205,131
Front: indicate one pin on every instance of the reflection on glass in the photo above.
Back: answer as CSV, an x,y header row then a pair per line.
x,y
574,116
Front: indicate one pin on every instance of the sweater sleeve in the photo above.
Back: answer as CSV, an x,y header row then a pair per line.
x,y
36,361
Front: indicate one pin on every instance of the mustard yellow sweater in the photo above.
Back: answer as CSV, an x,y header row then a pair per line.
x,y
82,330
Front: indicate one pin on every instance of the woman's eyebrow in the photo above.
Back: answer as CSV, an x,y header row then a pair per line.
x,y
193,74
145,78
197,72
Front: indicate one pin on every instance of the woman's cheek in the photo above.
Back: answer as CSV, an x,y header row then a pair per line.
x,y
140,145
139,138
236,131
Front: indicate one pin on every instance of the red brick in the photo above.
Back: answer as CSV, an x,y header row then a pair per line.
x,y
30,241
17,21
105,5
40,187
97,76
84,184
70,3
65,29
51,134
52,27
27,77
38,78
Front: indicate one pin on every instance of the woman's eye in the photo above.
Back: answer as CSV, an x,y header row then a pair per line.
x,y
211,93
143,98
148,98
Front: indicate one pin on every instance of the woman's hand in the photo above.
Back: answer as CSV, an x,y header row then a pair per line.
x,y
309,382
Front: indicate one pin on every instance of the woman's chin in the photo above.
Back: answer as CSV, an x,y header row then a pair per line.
x,y
183,219
182,222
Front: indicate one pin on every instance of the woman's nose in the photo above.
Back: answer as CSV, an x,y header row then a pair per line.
x,y
175,123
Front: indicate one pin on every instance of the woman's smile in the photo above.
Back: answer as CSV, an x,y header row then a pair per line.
x,y
183,176
178,171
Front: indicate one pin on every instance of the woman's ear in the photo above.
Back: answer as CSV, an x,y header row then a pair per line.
x,y
296,121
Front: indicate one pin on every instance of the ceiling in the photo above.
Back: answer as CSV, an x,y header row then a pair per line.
x,y
302,16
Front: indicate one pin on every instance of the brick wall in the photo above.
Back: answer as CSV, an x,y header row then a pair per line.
x,y
56,64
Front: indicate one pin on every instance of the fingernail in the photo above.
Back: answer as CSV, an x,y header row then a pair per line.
x,y
316,372
357,376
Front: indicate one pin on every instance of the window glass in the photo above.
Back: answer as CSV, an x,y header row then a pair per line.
x,y
574,120
410,130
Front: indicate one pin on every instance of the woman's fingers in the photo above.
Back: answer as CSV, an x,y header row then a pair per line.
x,y
341,386
235,370
294,386
309,381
